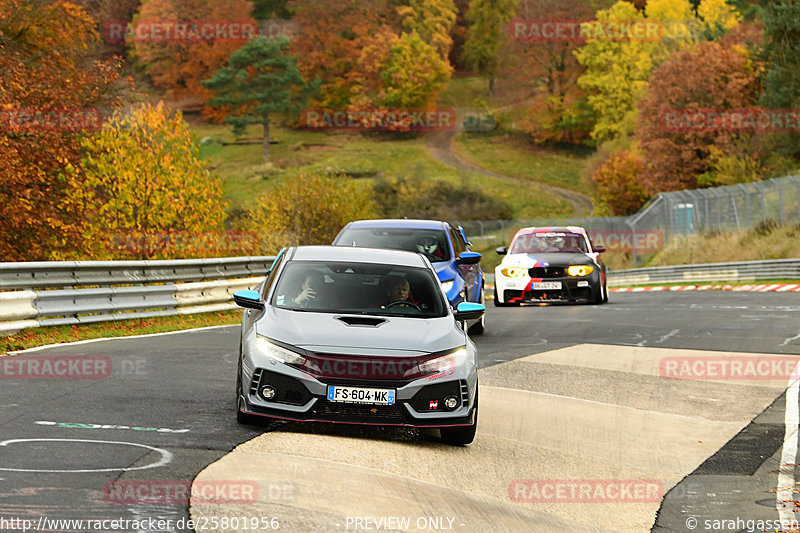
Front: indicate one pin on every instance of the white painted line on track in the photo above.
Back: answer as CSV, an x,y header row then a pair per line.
x,y
789,452
87,341
668,335
790,339
166,457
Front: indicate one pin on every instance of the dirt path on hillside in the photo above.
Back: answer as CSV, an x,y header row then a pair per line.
x,y
440,146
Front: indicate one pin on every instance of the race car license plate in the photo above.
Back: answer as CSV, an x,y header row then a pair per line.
x,y
337,393
546,285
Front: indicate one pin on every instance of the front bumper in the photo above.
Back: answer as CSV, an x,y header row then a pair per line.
x,y
572,289
419,403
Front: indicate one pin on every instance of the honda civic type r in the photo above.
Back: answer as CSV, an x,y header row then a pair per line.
x,y
553,264
328,338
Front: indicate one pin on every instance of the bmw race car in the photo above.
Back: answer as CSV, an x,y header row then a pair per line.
x,y
555,264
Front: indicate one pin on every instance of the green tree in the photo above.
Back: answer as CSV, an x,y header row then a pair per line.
x,y
259,79
487,21
141,178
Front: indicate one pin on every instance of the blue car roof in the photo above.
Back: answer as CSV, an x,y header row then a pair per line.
x,y
397,223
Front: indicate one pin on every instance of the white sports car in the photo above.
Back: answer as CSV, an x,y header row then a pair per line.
x,y
548,265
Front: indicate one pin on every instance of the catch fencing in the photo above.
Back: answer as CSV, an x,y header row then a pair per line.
x,y
668,215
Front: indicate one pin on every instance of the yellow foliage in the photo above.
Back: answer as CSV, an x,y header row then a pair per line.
x,y
307,209
141,179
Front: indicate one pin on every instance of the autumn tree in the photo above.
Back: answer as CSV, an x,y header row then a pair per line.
x,y
544,72
618,182
179,61
414,73
41,46
432,20
781,53
487,30
334,34
140,180
260,79
617,70
677,147
307,209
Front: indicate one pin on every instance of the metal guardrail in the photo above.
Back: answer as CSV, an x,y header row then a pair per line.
x,y
709,272
54,293
64,293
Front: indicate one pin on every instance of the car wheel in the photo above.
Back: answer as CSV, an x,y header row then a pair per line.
x,y
605,293
241,417
461,436
597,294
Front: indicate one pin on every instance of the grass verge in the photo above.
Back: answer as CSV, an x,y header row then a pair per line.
x,y
348,156
33,337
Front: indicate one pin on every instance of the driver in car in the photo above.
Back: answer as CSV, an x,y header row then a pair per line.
x,y
398,293
429,245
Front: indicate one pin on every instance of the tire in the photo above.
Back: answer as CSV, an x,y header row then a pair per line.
x,y
463,435
605,293
243,418
597,294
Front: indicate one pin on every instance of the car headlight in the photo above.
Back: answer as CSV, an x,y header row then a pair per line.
x,y
274,351
514,272
447,285
446,363
580,270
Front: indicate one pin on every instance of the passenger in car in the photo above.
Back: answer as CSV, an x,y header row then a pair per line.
x,y
313,282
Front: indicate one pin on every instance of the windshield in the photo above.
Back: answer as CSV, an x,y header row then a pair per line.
x,y
360,288
554,242
431,243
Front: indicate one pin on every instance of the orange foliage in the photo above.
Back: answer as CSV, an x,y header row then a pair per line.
x,y
46,57
178,64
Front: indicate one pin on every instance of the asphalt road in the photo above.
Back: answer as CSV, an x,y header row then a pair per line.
x,y
165,410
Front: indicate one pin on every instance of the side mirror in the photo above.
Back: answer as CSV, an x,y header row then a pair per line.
x,y
469,311
502,250
248,299
599,249
468,258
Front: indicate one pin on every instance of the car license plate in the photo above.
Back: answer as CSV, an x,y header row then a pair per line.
x,y
338,393
546,285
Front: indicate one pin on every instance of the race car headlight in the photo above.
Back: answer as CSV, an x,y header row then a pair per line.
x,y
447,285
446,363
580,270
272,350
514,272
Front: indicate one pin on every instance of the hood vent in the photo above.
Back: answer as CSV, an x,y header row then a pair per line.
x,y
367,321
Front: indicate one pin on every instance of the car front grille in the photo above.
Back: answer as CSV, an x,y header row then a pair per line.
x,y
349,412
546,272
